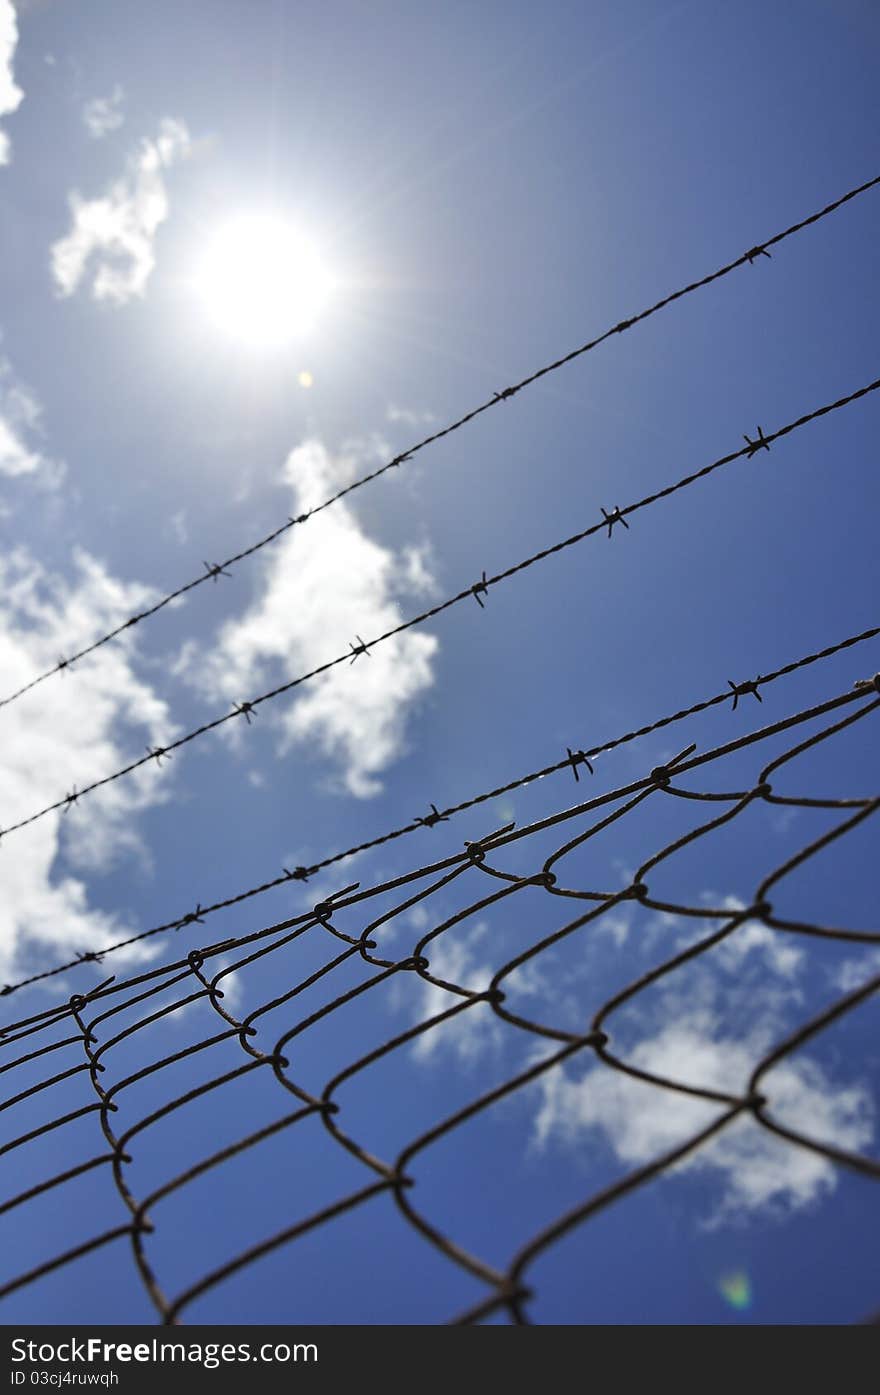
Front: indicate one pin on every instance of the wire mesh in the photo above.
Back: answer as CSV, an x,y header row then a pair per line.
x,y
355,950
574,760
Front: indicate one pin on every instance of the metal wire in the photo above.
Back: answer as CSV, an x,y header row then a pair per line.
x,y
91,1036
214,570
476,591
573,759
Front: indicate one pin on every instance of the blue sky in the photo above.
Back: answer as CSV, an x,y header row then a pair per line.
x,y
488,186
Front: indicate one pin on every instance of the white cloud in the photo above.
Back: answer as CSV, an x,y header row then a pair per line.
x,y
58,736
616,926
459,956
751,941
15,457
20,415
780,954
230,988
855,972
419,918
104,114
178,528
417,571
10,94
409,417
454,956
115,233
323,585
641,1121
708,1025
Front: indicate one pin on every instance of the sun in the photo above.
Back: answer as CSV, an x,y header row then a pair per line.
x,y
262,281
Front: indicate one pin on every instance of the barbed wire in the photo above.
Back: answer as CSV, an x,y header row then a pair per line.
x,y
573,760
278,1052
214,570
476,591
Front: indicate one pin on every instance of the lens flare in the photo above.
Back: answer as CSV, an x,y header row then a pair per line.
x,y
736,1289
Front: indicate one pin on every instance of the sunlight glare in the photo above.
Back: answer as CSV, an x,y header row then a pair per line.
x,y
262,282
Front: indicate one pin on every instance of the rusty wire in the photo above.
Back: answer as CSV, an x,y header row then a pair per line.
x,y
476,591
572,760
214,570
90,1037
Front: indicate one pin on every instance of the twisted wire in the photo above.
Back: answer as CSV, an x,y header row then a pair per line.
x,y
214,570
476,591
572,761
278,1052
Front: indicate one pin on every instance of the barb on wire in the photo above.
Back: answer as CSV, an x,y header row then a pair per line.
x,y
862,688
342,944
196,917
477,590
615,516
576,758
760,443
213,570
749,689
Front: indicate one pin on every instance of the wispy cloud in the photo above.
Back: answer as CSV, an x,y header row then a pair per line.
x,y
104,114
409,416
641,1121
177,527
10,93
462,956
112,237
60,734
20,430
324,584
707,1025
455,957
780,954
853,973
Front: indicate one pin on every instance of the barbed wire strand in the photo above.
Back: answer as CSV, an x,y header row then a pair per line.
x,y
214,570
476,591
571,761
864,690
508,1287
